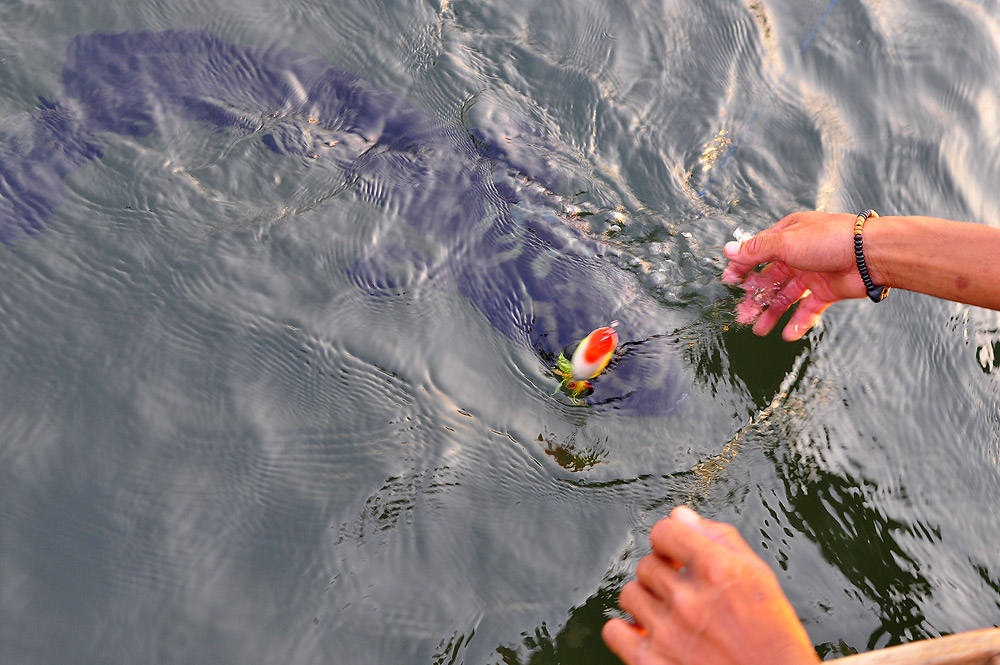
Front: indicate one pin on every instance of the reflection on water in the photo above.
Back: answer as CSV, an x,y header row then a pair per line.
x,y
255,413
577,641
855,536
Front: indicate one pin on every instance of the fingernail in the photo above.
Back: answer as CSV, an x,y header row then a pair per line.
x,y
685,514
732,248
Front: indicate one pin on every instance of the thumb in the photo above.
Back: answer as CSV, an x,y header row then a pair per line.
x,y
760,248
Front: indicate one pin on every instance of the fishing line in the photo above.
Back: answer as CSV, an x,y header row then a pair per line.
x,y
770,94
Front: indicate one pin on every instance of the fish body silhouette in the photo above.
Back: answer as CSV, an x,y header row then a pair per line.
x,y
535,278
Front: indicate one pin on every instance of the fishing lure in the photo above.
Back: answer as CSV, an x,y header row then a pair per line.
x,y
578,363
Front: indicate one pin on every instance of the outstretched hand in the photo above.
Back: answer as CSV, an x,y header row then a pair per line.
x,y
703,597
809,259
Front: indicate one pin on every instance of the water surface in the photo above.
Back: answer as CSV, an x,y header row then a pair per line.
x,y
219,444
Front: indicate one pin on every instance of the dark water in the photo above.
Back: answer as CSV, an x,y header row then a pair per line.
x,y
219,444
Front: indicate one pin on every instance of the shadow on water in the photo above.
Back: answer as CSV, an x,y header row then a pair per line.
x,y
535,277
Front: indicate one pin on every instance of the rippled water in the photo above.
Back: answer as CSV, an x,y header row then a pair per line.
x,y
235,429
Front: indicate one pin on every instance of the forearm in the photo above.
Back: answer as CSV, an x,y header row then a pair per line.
x,y
954,260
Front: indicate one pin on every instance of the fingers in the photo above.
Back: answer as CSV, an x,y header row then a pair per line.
x,y
624,639
733,611
677,538
806,315
646,600
667,604
803,251
725,535
786,296
693,542
641,604
658,575
734,273
769,294
772,292
764,306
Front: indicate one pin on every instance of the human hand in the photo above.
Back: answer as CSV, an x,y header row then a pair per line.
x,y
810,260
703,597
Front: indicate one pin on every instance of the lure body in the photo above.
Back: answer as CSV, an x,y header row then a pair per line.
x,y
578,363
594,353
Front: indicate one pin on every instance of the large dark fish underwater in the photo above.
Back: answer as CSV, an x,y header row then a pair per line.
x,y
536,278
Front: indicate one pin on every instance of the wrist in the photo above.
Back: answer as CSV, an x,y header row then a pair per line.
x,y
876,292
880,234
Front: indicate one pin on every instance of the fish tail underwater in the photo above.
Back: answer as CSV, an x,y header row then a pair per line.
x,y
535,279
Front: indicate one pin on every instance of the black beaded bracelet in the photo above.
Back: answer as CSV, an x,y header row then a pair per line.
x,y
876,293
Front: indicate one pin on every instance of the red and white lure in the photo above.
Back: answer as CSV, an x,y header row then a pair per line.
x,y
586,360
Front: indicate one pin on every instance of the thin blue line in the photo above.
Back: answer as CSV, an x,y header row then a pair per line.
x,y
770,94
